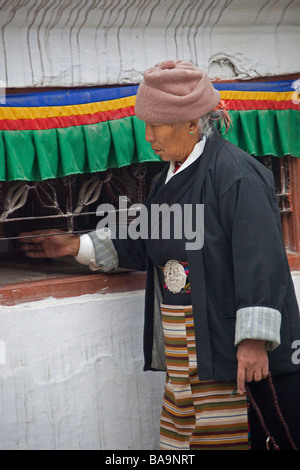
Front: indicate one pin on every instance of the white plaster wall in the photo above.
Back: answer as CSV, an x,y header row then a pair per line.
x,y
96,42
72,377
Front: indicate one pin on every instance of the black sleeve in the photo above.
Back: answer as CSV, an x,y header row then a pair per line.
x,y
250,218
131,253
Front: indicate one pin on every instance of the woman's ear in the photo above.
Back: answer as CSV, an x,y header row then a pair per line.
x,y
194,126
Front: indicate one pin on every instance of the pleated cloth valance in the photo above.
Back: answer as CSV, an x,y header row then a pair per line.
x,y
52,134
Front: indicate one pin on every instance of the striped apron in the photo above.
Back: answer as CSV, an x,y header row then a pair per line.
x,y
196,415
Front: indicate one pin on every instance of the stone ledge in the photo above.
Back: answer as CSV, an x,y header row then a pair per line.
x,y
72,286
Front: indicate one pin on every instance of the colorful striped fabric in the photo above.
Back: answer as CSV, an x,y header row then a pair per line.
x,y
276,95
64,115
56,133
196,415
66,108
69,108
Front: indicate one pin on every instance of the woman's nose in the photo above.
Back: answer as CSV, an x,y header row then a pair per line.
x,y
148,133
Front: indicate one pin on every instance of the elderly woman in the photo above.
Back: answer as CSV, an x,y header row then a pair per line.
x,y
220,315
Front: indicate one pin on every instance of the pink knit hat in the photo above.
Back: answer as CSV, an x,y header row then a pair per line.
x,y
173,92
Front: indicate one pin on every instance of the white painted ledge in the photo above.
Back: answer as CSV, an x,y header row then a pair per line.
x,y
98,42
73,376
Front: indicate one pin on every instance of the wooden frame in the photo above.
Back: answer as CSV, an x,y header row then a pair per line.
x,y
291,218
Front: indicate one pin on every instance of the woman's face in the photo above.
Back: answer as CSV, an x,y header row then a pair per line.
x,y
172,142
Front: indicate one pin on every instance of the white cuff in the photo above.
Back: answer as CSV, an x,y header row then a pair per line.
x,y
258,322
86,253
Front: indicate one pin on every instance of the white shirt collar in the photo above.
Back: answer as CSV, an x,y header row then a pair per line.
x,y
196,153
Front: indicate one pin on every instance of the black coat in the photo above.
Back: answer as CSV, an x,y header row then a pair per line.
x,y
242,263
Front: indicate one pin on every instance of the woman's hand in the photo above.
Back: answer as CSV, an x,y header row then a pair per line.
x,y
253,362
49,244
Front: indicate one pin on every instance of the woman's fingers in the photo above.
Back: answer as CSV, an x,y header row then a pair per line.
x,y
49,243
253,363
33,250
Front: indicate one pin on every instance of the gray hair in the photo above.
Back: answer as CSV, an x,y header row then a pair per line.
x,y
212,121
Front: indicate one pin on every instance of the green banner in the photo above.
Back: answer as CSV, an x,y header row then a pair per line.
x,y
36,155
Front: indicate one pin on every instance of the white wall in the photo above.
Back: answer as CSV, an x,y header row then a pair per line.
x,y
95,42
73,377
